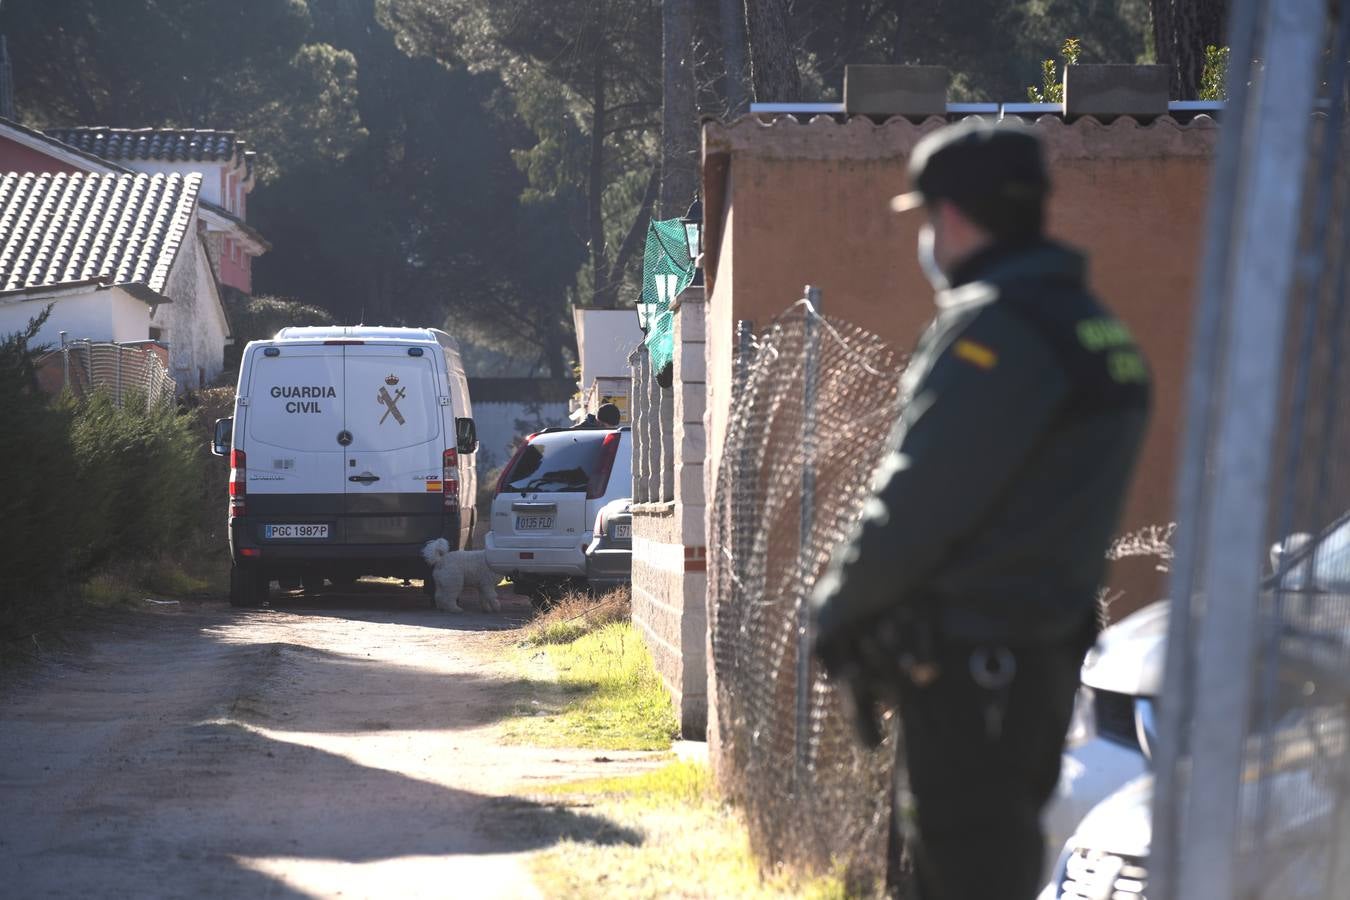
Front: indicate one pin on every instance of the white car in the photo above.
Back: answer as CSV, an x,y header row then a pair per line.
x,y
1104,751
547,502
1107,853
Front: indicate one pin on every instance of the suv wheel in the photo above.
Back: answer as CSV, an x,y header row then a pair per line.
x,y
248,587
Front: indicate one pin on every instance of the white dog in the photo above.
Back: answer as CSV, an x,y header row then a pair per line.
x,y
451,568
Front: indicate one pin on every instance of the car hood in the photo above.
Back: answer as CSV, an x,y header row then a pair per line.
x,y
1130,655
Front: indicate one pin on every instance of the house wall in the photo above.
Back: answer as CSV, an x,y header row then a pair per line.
x,y
605,337
15,157
1132,196
107,314
193,323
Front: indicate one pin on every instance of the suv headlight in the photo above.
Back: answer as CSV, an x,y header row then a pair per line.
x,y
1083,722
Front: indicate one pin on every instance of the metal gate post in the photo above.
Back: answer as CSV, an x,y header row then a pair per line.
x,y
117,351
1228,525
805,563
742,493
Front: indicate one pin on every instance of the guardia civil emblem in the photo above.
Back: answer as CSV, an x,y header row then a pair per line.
x,y
390,401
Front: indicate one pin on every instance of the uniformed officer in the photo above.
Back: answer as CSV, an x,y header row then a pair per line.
x,y
968,591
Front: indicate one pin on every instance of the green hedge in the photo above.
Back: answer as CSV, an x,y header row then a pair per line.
x,y
90,484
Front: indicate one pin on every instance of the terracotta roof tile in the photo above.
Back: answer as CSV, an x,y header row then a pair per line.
x,y
162,144
68,229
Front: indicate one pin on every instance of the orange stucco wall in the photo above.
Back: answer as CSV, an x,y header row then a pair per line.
x,y
807,204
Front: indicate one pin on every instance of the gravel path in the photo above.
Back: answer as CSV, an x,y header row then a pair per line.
x,y
342,746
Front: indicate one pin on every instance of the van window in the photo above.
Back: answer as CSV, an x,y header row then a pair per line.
x,y
392,399
558,462
295,400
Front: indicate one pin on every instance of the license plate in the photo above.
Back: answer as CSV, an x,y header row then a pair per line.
x,y
272,532
623,532
533,523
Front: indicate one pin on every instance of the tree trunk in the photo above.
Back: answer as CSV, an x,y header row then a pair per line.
x,y
1182,29
773,59
635,239
679,122
733,55
595,187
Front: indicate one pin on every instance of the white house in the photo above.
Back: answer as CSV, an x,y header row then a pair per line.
x,y
120,257
605,338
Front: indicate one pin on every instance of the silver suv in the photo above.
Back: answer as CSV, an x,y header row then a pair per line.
x,y
548,500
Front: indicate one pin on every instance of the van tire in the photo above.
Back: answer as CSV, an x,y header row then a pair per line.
x,y
248,587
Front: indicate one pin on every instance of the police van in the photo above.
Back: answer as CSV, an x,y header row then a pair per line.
x,y
349,448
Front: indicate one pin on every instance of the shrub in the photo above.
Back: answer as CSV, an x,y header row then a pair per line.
x,y
142,472
40,506
98,484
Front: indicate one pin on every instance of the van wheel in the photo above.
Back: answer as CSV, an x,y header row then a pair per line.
x,y
248,587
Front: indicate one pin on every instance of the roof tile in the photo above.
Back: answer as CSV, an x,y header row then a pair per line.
x,y
162,144
67,228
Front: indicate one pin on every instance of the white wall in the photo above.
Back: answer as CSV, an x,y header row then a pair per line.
x,y
109,314
194,324
499,424
210,172
605,338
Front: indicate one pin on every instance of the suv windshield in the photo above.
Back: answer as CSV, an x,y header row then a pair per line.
x,y
556,463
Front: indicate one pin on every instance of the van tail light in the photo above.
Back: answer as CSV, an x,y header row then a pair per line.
x,y
450,478
510,466
238,483
600,477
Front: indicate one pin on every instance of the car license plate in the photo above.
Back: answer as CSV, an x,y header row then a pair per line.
x,y
533,523
623,532
272,532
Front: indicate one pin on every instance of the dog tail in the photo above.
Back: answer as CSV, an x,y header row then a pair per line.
x,y
434,550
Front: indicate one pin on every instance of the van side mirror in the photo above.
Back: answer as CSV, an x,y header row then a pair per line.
x,y
220,444
466,435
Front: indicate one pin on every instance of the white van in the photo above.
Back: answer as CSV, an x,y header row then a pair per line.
x,y
350,448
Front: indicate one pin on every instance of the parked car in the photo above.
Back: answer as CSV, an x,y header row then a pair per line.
x,y
547,501
609,558
1103,751
1108,852
349,449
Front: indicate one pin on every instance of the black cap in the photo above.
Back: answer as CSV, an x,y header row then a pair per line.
x,y
978,165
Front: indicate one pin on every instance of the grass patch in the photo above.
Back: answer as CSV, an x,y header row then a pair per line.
x,y
694,846
608,694
577,614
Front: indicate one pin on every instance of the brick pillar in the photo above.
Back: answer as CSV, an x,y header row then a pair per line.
x,y
639,411
688,441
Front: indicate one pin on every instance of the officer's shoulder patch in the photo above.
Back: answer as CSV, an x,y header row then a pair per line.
x,y
975,353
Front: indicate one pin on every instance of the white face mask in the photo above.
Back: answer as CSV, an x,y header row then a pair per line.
x,y
928,258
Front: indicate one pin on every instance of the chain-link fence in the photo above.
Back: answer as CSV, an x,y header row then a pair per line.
x,y
814,404
125,371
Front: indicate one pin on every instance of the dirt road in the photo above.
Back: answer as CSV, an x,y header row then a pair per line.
x,y
344,746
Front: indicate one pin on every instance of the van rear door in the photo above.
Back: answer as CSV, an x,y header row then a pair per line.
x,y
392,466
294,461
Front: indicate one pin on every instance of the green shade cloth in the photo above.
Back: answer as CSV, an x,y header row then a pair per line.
x,y
666,271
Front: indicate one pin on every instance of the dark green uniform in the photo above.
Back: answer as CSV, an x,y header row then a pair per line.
x,y
1025,406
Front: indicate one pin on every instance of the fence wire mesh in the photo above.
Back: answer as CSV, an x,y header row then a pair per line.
x,y
812,796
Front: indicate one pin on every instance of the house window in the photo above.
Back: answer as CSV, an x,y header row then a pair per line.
x,y
201,377
156,334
